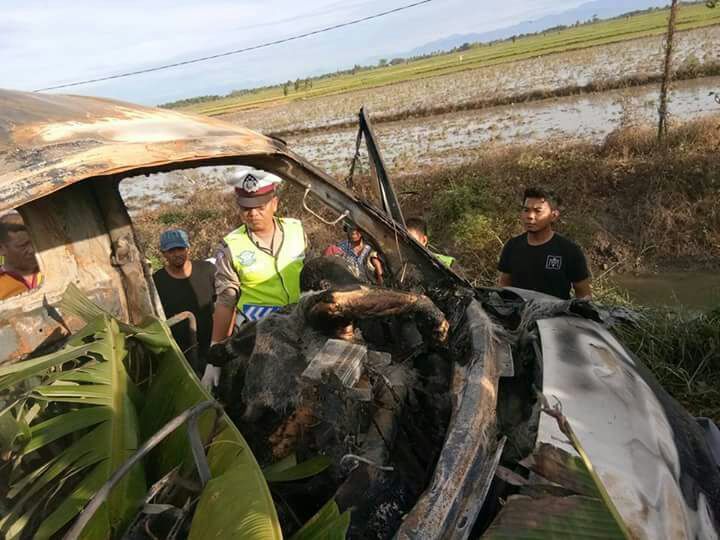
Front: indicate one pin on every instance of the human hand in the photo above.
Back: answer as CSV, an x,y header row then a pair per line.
x,y
211,377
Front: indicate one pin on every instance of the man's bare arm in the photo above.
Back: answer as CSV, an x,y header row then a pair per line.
x,y
378,267
583,289
504,280
227,291
223,317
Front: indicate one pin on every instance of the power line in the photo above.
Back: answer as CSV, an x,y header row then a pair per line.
x,y
238,51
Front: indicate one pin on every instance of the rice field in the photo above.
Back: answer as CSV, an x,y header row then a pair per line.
x,y
417,144
417,135
479,56
605,65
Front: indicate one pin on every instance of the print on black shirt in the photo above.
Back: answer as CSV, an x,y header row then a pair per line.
x,y
550,268
554,262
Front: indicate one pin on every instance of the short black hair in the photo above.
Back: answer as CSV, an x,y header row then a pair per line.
x,y
541,193
349,225
417,224
332,270
10,223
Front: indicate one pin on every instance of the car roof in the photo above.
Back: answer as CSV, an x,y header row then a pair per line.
x,y
50,141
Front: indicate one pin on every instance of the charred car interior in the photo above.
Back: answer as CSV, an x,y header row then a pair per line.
x,y
427,408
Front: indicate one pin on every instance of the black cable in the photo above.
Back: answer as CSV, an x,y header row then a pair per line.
x,y
238,51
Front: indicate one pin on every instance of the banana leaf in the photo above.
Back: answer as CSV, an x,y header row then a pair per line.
x,y
327,524
236,475
172,389
289,470
12,428
549,516
104,425
95,426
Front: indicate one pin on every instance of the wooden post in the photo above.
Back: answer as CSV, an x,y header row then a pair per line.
x,y
667,73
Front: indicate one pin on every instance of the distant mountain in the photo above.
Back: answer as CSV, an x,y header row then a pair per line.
x,y
602,9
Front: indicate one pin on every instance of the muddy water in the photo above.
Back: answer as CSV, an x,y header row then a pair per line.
x,y
145,192
454,138
692,290
451,138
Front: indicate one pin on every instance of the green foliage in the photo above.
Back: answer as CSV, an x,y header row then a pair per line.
x,y
99,386
156,263
327,524
235,488
77,416
475,230
289,470
174,217
682,349
452,204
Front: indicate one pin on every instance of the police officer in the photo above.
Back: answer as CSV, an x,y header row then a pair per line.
x,y
259,263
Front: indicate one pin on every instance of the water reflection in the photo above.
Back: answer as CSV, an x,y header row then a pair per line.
x,y
694,290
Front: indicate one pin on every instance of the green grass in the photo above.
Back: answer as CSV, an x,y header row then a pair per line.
x,y
580,37
682,349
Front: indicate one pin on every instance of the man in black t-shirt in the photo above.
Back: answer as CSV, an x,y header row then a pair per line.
x,y
541,259
185,285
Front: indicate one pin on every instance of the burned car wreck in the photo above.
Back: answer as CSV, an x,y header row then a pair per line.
x,y
446,411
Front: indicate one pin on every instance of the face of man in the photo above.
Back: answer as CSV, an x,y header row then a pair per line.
x,y
19,252
537,215
176,257
419,236
260,218
354,235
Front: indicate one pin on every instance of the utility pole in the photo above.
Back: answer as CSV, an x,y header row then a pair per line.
x,y
667,71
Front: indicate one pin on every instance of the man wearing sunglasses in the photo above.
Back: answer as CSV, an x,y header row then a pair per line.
x,y
259,263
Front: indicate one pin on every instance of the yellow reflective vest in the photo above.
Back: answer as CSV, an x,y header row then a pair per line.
x,y
268,282
447,260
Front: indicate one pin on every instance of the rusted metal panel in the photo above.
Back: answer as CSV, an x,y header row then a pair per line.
x,y
51,141
635,446
126,256
48,142
72,246
471,452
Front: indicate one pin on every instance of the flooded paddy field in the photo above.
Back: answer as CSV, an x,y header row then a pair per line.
x,y
604,65
425,139
453,138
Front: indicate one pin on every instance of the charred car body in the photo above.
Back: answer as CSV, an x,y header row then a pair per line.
x,y
543,409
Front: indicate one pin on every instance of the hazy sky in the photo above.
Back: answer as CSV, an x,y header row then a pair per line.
x,y
43,43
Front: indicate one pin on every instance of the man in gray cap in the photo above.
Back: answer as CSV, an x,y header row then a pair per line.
x,y
259,263
185,285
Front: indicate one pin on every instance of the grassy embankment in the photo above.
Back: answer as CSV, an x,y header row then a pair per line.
x,y
631,204
574,38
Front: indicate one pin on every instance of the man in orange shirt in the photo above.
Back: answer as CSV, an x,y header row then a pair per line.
x,y
19,272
